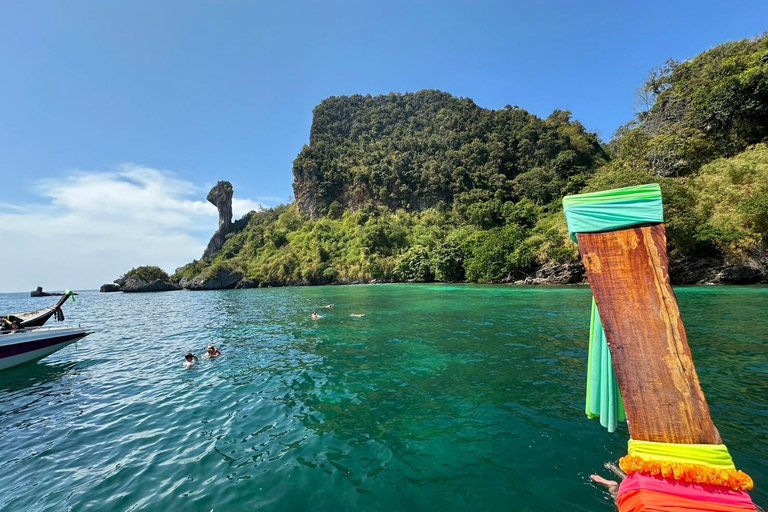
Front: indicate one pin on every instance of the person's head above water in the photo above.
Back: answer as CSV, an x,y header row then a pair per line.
x,y
189,356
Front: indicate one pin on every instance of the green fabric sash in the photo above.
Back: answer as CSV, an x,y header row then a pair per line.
x,y
603,397
613,209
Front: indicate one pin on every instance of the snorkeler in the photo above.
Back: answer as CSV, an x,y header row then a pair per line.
x,y
191,359
315,316
329,306
212,351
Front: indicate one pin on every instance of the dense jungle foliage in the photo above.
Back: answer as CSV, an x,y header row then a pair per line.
x,y
148,273
414,151
426,186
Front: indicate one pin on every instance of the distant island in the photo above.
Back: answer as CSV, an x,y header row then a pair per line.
x,y
425,186
38,292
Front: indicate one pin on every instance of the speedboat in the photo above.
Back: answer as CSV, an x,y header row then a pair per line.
x,y
39,317
24,345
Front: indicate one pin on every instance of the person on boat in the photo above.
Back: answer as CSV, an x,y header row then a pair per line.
x,y
9,323
315,316
212,352
191,359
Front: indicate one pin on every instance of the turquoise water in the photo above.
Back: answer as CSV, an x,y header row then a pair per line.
x,y
441,397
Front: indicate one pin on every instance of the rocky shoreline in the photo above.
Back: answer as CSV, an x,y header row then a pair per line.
x,y
688,271
705,271
750,269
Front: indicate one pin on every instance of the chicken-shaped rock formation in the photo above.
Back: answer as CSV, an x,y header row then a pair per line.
x,y
221,197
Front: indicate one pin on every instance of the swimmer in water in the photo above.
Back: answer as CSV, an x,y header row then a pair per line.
x,y
329,306
612,486
315,316
191,359
212,352
357,315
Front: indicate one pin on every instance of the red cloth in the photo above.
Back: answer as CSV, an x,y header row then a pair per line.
x,y
643,500
696,492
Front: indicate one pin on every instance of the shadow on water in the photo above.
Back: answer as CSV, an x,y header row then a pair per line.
x,y
34,376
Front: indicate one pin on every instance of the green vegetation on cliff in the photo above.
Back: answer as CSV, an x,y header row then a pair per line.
x,y
418,150
426,186
705,117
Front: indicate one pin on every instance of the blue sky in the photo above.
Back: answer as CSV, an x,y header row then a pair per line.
x,y
200,91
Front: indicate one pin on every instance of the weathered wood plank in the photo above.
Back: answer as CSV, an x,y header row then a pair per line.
x,y
628,273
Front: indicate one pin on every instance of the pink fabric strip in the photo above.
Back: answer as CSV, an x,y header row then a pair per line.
x,y
710,493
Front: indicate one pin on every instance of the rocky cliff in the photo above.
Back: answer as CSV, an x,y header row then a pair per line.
x,y
221,197
142,279
417,150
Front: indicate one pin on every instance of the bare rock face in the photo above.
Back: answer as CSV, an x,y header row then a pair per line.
x,y
220,279
305,191
562,273
221,197
138,285
39,293
715,269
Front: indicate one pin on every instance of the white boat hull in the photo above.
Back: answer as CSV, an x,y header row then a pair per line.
x,y
32,344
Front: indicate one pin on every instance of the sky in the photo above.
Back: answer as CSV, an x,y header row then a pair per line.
x,y
117,117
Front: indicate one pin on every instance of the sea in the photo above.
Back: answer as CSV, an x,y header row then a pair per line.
x,y
441,397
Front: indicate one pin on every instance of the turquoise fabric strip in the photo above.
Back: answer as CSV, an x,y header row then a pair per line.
x,y
603,397
613,209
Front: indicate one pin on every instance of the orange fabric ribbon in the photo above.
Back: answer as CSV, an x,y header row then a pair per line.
x,y
685,472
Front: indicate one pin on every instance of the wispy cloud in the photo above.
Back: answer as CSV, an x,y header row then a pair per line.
x,y
90,227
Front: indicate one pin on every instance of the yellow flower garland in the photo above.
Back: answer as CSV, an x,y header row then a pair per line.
x,y
685,472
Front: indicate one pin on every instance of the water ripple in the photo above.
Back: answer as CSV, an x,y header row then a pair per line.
x,y
448,397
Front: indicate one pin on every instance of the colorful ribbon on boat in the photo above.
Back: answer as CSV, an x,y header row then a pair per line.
x,y
716,455
667,477
652,501
697,492
603,396
613,209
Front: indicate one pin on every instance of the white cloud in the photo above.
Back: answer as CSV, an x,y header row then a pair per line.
x,y
242,206
94,226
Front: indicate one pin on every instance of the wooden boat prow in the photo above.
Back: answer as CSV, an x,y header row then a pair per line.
x,y
676,458
40,317
628,270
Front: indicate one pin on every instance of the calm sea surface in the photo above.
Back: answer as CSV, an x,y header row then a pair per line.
x,y
440,398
